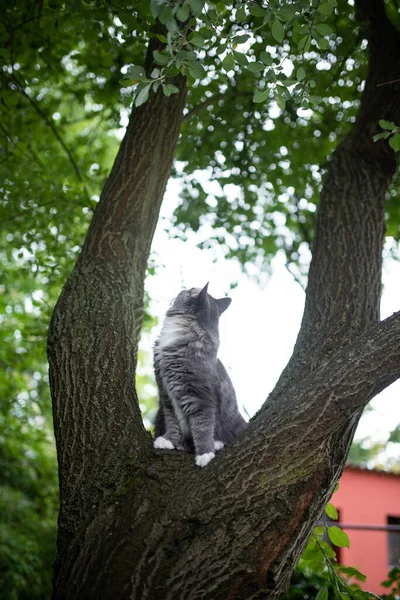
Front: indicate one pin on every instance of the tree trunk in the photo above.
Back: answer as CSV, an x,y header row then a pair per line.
x,y
142,524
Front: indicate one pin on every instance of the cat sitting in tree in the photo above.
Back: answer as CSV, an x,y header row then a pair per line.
x,y
197,402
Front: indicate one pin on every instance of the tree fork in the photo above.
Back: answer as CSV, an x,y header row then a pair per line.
x,y
94,331
135,523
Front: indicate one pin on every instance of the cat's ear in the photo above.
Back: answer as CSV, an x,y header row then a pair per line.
x,y
223,304
203,294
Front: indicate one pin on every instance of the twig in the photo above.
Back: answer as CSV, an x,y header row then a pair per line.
x,y
211,100
388,82
297,280
38,109
311,26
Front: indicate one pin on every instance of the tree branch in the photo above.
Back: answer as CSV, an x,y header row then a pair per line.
x,y
344,288
49,123
96,323
287,466
215,98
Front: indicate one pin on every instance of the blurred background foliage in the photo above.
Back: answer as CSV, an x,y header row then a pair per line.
x,y
62,113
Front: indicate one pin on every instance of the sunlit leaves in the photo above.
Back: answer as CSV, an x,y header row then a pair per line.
x,y
260,96
352,572
338,537
228,41
331,511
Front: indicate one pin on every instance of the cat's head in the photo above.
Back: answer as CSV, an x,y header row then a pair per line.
x,y
199,304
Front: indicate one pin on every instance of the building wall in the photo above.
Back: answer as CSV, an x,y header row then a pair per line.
x,y
367,497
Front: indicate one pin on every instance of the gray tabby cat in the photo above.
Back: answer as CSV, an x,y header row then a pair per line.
x,y
197,401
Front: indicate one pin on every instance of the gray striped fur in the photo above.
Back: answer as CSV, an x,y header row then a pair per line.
x,y
197,402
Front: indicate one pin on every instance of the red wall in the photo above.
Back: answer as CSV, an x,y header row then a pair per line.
x,y
367,497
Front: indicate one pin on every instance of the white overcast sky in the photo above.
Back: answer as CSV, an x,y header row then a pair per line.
x,y
259,329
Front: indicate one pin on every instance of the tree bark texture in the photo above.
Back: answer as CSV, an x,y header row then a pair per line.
x,y
142,524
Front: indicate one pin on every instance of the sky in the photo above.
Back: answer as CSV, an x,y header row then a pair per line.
x,y
259,329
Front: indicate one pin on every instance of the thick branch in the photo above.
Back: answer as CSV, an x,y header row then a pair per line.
x,y
344,283
96,323
282,470
241,524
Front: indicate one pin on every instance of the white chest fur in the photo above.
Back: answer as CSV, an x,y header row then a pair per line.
x,y
173,329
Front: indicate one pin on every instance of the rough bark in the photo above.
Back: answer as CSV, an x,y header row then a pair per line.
x,y
136,523
93,336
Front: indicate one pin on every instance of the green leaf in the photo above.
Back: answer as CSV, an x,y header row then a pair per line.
x,y
161,58
266,58
352,572
323,29
143,95
338,537
241,14
255,67
221,49
183,13
260,96
197,40
281,102
277,30
256,10
287,82
327,549
323,43
169,89
196,70
240,39
137,73
162,38
322,594
155,8
228,62
300,73
394,142
319,530
316,99
196,6
331,511
387,125
240,58
165,13
171,25
304,44
155,73
287,12
185,55
325,8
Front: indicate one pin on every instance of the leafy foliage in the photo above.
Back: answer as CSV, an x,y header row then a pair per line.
x,y
261,79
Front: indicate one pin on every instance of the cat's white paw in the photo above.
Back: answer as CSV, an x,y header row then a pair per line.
x,y
218,445
203,459
163,444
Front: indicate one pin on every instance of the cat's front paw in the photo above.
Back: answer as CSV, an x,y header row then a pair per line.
x,y
163,444
203,459
218,445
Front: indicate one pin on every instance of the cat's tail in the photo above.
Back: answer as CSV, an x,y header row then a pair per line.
x,y
159,424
